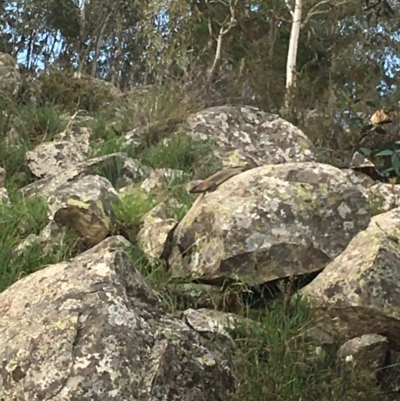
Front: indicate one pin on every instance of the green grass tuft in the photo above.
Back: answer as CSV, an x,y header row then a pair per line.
x,y
19,219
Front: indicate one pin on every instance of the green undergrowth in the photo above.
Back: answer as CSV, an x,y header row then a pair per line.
x,y
276,361
19,219
178,152
23,128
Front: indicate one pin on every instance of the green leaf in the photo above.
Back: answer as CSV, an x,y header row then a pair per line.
x,y
365,151
387,170
366,128
379,129
385,152
395,162
370,103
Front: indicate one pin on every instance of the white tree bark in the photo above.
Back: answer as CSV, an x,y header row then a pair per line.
x,y
294,43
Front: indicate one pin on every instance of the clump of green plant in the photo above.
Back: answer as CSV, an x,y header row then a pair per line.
x,y
277,362
25,127
376,138
386,158
158,110
18,219
177,152
39,124
61,88
130,210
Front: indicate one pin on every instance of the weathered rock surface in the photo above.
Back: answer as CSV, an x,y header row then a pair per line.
x,y
368,351
358,178
247,134
154,231
53,158
93,329
384,197
217,325
196,295
10,78
118,165
85,205
358,292
268,223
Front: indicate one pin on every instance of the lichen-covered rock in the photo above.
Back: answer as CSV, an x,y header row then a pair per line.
x,y
154,230
368,351
85,205
358,178
119,165
249,134
10,78
196,296
360,164
93,329
384,197
52,158
358,292
268,223
69,149
217,326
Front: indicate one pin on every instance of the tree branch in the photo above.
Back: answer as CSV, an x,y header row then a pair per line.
x,y
313,10
222,32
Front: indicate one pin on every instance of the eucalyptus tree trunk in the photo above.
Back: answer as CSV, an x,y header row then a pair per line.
x,y
295,8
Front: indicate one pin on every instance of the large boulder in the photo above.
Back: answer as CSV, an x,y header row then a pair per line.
x,y
358,292
268,223
247,134
92,329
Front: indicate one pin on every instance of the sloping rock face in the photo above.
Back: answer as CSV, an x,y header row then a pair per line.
x,y
270,222
247,134
358,293
93,329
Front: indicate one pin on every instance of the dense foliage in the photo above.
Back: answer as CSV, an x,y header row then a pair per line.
x,y
347,51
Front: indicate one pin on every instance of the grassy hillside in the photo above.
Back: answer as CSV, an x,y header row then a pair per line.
x,y
276,361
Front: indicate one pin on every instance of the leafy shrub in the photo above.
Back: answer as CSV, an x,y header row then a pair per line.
x,y
61,88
